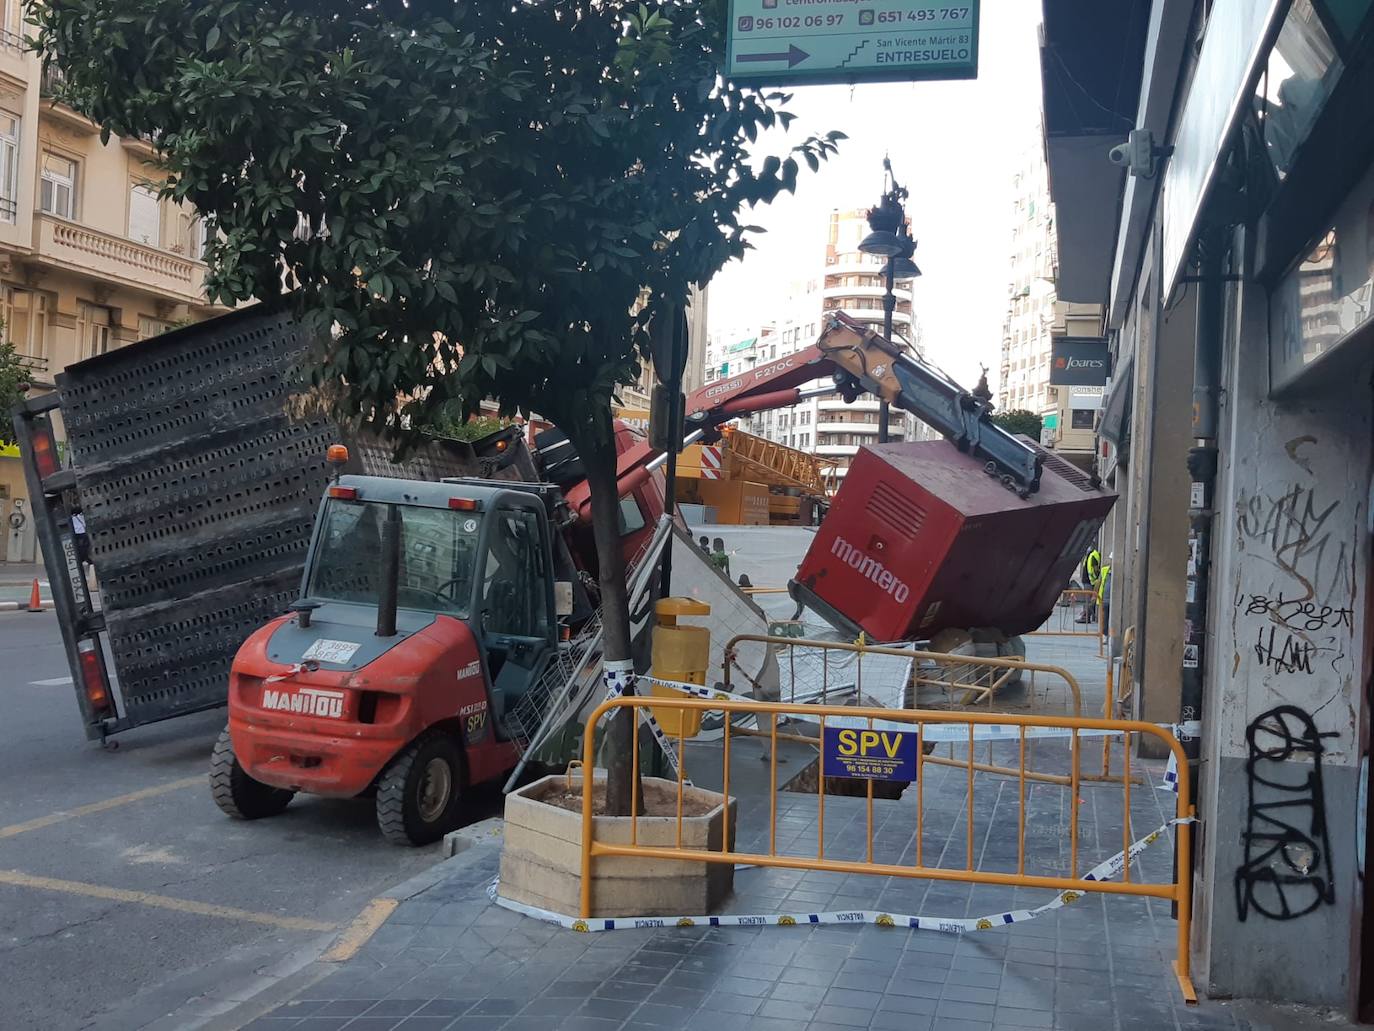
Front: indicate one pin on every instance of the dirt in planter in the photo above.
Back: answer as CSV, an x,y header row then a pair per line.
x,y
659,800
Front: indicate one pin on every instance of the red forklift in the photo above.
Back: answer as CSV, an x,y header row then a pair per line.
x,y
427,610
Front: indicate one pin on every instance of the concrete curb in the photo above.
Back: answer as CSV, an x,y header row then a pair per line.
x,y
23,606
241,1001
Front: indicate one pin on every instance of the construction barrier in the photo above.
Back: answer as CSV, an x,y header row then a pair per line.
x,y
1067,618
1120,691
974,678
874,744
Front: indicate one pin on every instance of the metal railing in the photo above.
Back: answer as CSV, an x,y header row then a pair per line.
x,y
1119,691
929,864
1075,615
975,678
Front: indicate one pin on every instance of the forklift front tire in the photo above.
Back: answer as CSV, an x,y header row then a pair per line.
x,y
238,794
419,793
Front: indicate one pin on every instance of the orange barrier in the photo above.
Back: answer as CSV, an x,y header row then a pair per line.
x,y
1178,890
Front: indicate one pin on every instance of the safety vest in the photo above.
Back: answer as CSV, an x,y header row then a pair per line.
x,y
1094,566
1102,583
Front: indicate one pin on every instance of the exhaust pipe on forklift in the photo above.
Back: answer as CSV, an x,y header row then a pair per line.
x,y
390,573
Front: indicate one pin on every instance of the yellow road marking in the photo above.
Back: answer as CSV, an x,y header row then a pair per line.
x,y
99,807
360,931
97,891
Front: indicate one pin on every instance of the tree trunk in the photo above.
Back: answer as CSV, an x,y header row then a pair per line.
x,y
599,459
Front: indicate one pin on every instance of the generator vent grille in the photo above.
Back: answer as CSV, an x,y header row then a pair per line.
x,y
900,513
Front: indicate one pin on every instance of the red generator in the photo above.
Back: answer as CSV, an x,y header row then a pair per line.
x,y
920,538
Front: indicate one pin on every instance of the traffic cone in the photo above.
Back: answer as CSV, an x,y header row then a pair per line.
x,y
35,599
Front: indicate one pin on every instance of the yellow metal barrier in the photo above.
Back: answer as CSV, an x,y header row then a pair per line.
x,y
1118,693
1178,891
1066,621
981,686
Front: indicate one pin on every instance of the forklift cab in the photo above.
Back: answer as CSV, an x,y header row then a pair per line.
x,y
478,553
513,610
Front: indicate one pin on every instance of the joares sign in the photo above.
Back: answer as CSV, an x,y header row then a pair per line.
x,y
795,42
1080,362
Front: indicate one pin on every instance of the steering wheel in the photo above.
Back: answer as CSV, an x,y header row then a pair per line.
x,y
443,591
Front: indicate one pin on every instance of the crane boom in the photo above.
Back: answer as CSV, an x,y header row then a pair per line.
x,y
860,360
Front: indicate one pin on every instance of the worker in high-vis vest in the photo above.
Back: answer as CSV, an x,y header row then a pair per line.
x,y
1092,575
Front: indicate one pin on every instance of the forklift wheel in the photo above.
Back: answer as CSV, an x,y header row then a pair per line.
x,y
419,793
238,794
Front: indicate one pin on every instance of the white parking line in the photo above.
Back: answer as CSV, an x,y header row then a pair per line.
x,y
54,682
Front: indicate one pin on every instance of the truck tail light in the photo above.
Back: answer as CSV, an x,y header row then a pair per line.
x,y
463,504
344,493
45,451
93,680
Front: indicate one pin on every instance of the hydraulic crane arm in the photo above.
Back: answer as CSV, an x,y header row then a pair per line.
x,y
856,360
862,361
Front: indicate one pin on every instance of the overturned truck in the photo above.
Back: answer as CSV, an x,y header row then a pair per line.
x,y
198,470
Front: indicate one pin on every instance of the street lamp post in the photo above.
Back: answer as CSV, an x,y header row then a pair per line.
x,y
888,239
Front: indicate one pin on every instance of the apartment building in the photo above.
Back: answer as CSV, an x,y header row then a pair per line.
x,y
90,257
1036,317
845,280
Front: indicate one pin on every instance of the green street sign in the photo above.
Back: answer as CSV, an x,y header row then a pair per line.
x,y
797,42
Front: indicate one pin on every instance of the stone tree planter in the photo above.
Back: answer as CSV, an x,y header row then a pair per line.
x,y
541,861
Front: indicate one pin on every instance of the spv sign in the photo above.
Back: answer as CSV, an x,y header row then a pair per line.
x,y
869,754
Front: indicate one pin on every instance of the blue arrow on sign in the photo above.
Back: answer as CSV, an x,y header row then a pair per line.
x,y
794,56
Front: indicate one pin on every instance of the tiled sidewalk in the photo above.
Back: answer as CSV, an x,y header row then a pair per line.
x,y
449,958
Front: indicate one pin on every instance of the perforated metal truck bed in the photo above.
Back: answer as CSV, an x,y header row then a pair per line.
x,y
199,492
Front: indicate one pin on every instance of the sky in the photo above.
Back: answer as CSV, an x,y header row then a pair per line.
x,y
956,147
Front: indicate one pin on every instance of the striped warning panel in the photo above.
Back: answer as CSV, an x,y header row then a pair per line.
x,y
711,463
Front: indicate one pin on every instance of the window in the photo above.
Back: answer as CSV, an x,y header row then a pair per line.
x,y
145,215
95,334
57,188
437,550
515,588
9,167
26,321
151,327
1302,70
1082,418
631,517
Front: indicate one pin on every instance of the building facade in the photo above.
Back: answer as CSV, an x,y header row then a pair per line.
x,y
1232,261
90,257
1035,317
846,280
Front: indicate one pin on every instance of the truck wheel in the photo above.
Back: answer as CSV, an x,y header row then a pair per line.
x,y
238,794
419,793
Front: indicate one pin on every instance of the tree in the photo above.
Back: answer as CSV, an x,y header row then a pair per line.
x,y
1018,420
479,199
14,386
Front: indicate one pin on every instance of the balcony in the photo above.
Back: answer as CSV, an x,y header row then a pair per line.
x,y
861,404
48,87
875,290
826,429
67,245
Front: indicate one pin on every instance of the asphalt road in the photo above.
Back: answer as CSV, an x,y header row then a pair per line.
x,y
221,898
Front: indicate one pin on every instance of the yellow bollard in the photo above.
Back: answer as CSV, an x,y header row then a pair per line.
x,y
681,653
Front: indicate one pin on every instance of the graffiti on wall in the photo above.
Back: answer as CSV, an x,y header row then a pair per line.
x,y
1308,619
1300,533
1285,872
